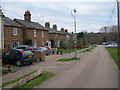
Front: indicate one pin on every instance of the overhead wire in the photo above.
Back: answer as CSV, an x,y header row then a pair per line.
x,y
113,10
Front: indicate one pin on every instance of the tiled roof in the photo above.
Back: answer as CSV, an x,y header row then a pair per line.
x,y
10,22
68,33
33,25
51,31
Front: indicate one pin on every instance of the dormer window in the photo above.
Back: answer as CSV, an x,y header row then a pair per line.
x,y
14,31
35,33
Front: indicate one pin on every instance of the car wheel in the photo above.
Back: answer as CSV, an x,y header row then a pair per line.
x,y
19,63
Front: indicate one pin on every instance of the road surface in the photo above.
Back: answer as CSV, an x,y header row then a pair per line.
x,y
96,70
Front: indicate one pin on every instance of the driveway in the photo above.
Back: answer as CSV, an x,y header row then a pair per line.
x,y
49,65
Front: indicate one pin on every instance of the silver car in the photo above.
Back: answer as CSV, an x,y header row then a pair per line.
x,y
43,49
113,45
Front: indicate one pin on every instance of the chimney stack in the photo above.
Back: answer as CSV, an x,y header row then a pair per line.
x,y
62,29
27,16
55,26
66,30
47,24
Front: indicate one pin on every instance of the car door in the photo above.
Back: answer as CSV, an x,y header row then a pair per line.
x,y
14,56
6,57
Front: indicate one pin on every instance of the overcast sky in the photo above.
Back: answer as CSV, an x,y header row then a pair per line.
x,y
90,16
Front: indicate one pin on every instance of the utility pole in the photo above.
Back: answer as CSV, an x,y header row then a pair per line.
x,y
118,18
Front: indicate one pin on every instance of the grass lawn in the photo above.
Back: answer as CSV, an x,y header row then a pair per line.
x,y
69,50
5,71
14,81
38,80
113,52
68,59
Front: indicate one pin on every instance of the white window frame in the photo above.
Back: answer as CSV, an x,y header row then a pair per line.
x,y
35,33
43,43
35,43
14,31
42,33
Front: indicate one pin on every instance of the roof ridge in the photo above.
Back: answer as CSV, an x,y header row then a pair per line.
x,y
28,21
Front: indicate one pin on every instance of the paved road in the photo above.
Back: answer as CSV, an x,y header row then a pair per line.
x,y
96,70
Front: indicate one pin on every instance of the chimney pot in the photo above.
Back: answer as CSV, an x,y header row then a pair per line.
x,y
66,30
62,29
55,26
47,24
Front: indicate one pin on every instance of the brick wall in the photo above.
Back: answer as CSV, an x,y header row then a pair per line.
x,y
9,37
29,34
54,36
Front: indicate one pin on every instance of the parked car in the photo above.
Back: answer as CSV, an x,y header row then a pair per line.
x,y
104,43
18,57
25,47
43,49
46,47
109,42
113,45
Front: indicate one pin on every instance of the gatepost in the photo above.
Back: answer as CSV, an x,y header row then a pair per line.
x,y
43,57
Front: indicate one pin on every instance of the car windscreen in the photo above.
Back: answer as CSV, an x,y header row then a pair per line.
x,y
27,52
21,48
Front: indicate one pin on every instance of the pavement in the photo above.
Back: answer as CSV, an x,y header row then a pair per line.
x,y
50,64
95,70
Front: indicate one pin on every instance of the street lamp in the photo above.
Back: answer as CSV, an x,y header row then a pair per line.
x,y
74,10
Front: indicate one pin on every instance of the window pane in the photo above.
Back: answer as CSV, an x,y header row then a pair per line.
x,y
35,33
42,33
27,52
8,53
14,31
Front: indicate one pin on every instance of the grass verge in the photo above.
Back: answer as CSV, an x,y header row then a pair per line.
x,y
85,51
113,53
37,81
68,59
14,81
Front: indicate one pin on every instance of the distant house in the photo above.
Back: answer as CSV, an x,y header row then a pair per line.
x,y
59,38
68,41
13,33
33,33
54,35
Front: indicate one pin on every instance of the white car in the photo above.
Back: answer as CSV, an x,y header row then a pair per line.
x,y
113,45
